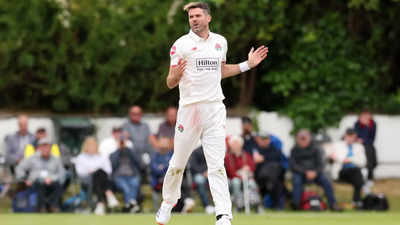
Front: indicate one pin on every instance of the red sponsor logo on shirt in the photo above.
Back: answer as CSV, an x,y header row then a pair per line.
x,y
180,128
173,51
194,48
218,47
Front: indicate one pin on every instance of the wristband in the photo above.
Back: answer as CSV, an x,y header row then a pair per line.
x,y
244,66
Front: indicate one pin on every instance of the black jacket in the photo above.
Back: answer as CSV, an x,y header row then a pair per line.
x,y
309,158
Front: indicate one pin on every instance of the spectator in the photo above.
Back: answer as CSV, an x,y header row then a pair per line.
x,y
111,144
15,143
198,168
31,148
365,128
139,134
240,168
349,157
45,173
307,167
159,166
250,144
269,171
167,128
94,170
126,174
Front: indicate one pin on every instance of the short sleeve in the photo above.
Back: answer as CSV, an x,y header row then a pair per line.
x,y
175,53
225,50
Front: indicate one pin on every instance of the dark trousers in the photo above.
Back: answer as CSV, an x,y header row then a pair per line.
x,y
355,178
372,160
97,183
299,180
269,178
48,195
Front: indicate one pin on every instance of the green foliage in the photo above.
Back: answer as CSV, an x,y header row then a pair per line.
x,y
325,76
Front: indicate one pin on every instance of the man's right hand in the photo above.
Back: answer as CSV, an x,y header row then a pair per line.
x,y
176,73
28,183
311,174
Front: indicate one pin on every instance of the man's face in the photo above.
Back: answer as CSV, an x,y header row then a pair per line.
x,y
45,150
365,117
23,124
171,116
303,140
198,20
247,128
41,134
135,114
263,142
350,138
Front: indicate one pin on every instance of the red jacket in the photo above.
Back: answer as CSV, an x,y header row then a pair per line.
x,y
234,163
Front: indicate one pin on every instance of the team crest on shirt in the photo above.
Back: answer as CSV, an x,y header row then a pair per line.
x,y
218,47
173,50
180,128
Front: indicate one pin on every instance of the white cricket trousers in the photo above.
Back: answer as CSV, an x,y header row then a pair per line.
x,y
203,121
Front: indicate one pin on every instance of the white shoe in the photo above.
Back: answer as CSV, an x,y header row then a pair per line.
x,y
112,201
210,209
135,207
188,205
164,213
100,209
223,221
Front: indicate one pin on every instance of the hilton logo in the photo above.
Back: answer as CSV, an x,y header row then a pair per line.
x,y
209,64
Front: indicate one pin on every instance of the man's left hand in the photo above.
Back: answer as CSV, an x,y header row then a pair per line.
x,y
47,181
255,57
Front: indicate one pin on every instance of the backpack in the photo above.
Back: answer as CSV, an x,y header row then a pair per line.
x,y
25,201
311,201
376,202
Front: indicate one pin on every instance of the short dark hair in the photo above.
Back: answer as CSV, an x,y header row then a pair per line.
x,y
202,5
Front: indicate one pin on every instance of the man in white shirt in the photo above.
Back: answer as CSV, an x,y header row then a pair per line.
x,y
111,144
198,63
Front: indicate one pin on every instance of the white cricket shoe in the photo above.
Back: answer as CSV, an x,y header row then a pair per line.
x,y
164,213
223,221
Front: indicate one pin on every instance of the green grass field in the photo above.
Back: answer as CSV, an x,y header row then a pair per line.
x,y
349,217
273,218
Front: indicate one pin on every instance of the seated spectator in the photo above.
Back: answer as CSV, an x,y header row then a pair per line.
x,y
15,143
166,129
31,148
240,168
250,143
111,144
159,166
198,168
269,171
126,174
139,134
348,158
45,173
307,167
93,170
365,127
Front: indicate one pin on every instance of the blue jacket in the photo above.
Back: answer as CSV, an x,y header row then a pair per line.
x,y
250,145
159,166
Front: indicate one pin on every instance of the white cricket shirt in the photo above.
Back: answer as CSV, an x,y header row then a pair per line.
x,y
201,81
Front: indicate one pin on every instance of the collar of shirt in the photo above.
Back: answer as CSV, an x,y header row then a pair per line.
x,y
197,38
